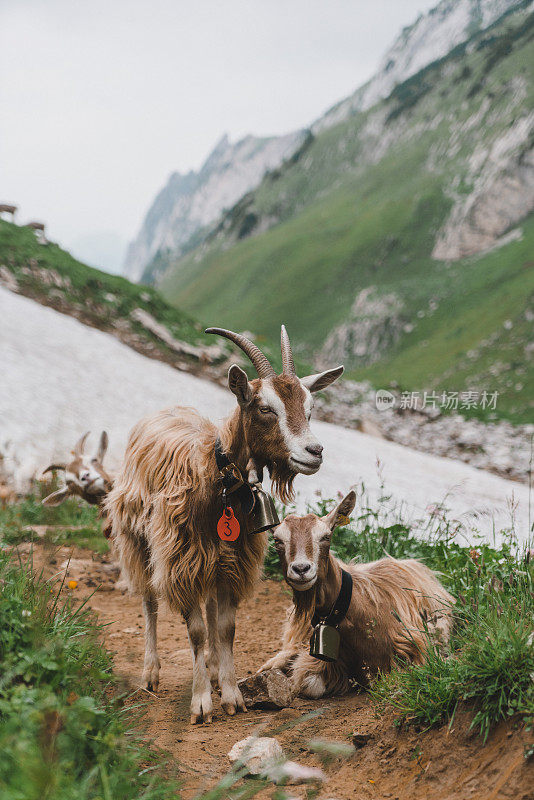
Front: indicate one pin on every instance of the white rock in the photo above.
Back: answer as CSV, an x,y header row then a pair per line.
x,y
258,754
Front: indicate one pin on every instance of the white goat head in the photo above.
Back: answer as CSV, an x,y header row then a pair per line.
x,y
275,412
85,476
303,544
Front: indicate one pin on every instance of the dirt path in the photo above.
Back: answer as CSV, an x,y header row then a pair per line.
x,y
403,764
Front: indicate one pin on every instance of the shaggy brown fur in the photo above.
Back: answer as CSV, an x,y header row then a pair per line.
x,y
164,510
397,608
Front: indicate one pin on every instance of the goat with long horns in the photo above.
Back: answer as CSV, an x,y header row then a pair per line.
x,y
276,412
168,499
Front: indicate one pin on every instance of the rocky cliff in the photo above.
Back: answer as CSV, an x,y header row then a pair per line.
x,y
431,37
188,203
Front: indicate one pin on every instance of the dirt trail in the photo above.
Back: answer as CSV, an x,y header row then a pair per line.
x,y
402,764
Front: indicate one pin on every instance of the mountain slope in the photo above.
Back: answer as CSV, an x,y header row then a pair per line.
x,y
190,202
136,315
443,168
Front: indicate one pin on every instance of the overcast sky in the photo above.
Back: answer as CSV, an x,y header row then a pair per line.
x,y
101,100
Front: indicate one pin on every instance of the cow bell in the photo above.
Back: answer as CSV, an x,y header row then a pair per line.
x,y
324,643
263,515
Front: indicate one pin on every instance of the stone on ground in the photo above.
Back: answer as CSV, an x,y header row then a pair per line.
x,y
258,754
270,689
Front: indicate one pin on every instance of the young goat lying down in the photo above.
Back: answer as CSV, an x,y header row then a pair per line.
x,y
394,606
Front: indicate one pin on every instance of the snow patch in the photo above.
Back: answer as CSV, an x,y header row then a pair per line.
x,y
61,378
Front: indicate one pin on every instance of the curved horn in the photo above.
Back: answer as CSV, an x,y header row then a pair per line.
x,y
260,362
288,365
80,444
52,467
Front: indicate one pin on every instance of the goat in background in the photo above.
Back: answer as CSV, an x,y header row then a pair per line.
x,y
397,607
85,476
168,496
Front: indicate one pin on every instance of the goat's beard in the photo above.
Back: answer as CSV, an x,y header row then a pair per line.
x,y
304,605
282,478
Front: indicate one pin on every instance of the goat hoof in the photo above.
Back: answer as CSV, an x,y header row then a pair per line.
x,y
151,678
231,707
198,719
201,707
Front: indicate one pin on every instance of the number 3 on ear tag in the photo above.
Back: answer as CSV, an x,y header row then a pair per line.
x,y
228,526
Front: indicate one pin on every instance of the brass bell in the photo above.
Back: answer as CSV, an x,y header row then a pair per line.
x,y
324,643
263,515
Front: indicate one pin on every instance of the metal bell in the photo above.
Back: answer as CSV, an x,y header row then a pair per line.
x,y
263,515
324,643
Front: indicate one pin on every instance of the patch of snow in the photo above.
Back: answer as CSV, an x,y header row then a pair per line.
x,y
61,378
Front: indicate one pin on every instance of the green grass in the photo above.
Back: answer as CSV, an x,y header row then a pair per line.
x,y
74,522
65,732
490,668
349,219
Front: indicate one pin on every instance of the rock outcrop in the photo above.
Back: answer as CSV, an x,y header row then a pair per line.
x,y
373,326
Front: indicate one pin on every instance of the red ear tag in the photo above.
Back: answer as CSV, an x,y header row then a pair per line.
x,y
228,526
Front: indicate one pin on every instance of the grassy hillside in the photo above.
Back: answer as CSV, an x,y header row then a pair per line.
x,y
361,205
54,278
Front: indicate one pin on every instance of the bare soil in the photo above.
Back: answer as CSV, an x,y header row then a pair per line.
x,y
395,763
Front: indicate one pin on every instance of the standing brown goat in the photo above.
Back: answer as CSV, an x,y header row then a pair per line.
x,y
85,476
168,497
395,605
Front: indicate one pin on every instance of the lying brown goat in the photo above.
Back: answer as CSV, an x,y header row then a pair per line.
x,y
395,606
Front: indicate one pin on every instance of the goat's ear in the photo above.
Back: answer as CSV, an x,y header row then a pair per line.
x,y
80,445
340,513
322,379
102,446
239,385
56,498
